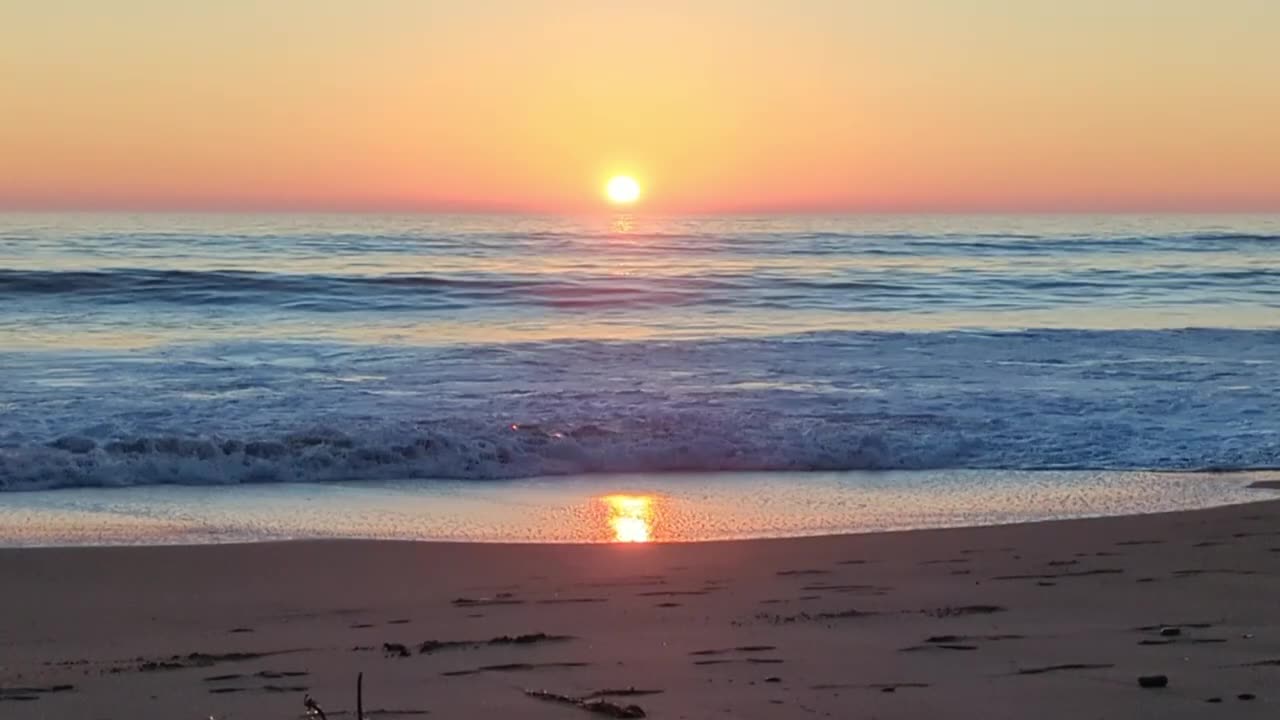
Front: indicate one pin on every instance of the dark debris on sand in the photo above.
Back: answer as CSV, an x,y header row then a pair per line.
x,y
27,694
429,646
1153,681
963,610
198,659
1064,666
590,704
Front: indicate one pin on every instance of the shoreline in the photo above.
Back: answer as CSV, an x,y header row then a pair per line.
x,y
676,507
1264,498
1060,615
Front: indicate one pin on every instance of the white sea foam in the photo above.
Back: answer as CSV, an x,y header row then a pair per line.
x,y
836,401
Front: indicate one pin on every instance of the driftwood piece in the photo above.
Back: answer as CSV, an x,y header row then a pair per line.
x,y
590,704
430,646
622,692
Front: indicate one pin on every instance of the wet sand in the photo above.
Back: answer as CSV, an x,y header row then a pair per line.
x,y
1045,620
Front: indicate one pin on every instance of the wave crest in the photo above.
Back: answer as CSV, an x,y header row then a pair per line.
x,y
325,454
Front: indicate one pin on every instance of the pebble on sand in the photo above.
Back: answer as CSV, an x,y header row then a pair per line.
x,y
1153,681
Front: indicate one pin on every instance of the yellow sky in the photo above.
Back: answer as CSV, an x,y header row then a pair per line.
x,y
712,105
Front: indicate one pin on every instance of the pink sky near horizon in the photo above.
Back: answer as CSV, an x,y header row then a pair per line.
x,y
822,105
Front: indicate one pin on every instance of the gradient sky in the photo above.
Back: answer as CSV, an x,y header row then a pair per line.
x,y
822,105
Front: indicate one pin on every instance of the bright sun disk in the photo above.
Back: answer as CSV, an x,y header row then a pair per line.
x,y
622,190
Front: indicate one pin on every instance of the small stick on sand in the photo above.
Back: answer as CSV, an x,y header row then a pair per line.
x,y
359,696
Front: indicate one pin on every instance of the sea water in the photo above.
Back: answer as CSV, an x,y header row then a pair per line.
x,y
421,350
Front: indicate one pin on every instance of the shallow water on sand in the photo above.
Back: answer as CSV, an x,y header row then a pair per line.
x,y
608,508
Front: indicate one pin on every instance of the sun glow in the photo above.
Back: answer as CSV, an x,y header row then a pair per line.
x,y
622,190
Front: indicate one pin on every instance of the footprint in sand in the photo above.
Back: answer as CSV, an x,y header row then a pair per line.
x,y
284,688
740,649
938,646
957,642
1211,571
963,610
862,589
882,687
1064,667
467,602
514,667
1055,576
278,674
29,694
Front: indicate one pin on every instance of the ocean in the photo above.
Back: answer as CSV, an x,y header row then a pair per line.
x,y
423,352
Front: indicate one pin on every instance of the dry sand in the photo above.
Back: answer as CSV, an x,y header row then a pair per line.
x,y
1045,620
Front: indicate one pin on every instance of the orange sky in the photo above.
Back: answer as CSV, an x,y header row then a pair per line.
x,y
714,105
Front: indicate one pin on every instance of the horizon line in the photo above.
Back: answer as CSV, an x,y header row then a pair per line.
x,y
762,211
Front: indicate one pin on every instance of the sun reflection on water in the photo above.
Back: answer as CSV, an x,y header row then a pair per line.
x,y
631,517
622,225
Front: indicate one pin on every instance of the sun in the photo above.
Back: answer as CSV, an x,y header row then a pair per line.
x,y
622,190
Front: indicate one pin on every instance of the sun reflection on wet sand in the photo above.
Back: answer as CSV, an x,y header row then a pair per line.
x,y
631,517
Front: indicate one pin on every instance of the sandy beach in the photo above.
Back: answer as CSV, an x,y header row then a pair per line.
x,y
1054,619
